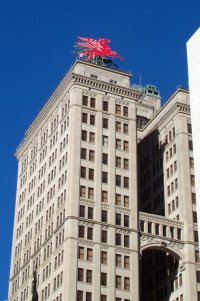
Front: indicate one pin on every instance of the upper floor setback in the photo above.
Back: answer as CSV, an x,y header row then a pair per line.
x,y
178,102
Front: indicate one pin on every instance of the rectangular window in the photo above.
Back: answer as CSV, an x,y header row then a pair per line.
x,y
104,196
82,211
79,295
104,236
173,132
167,173
105,106
92,119
118,260
118,199
91,174
126,220
82,191
126,201
118,162
92,102
126,164
90,233
81,253
105,158
91,193
83,172
189,128
84,117
104,257
193,198
192,162
84,135
89,276
105,141
118,180
196,238
118,219
85,100
176,183
168,190
175,166
118,282
80,275
192,180
91,155
90,213
126,283
118,239
125,128
92,137
126,146
126,182
89,254
118,126
88,296
118,144
197,257
81,231
104,216
104,177
194,217
125,111
169,208
126,262
170,152
83,153
104,279
118,109
105,123
174,149
103,298
126,241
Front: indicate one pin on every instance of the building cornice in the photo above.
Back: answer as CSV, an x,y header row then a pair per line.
x,y
161,219
168,110
106,87
69,80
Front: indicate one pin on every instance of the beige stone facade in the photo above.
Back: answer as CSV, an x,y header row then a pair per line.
x,y
99,152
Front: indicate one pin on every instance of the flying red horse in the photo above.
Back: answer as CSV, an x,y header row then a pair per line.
x,y
93,48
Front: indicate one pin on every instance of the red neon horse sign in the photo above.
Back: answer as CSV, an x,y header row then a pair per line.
x,y
93,48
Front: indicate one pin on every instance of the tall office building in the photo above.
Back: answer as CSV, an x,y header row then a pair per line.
x,y
193,52
105,205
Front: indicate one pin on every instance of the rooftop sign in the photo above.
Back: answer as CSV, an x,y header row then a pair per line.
x,y
96,51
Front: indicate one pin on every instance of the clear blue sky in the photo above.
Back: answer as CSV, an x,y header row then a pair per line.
x,y
36,42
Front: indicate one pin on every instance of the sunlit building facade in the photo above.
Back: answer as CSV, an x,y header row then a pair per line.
x,y
105,204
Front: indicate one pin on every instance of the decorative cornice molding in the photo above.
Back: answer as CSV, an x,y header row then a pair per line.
x,y
161,219
106,87
163,116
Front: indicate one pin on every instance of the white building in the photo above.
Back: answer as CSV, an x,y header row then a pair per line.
x,y
193,53
78,229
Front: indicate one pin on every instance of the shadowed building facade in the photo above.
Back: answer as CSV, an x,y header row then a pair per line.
x,y
105,195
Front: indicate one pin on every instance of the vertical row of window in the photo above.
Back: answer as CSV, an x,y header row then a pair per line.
x,y
170,135
171,152
172,187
